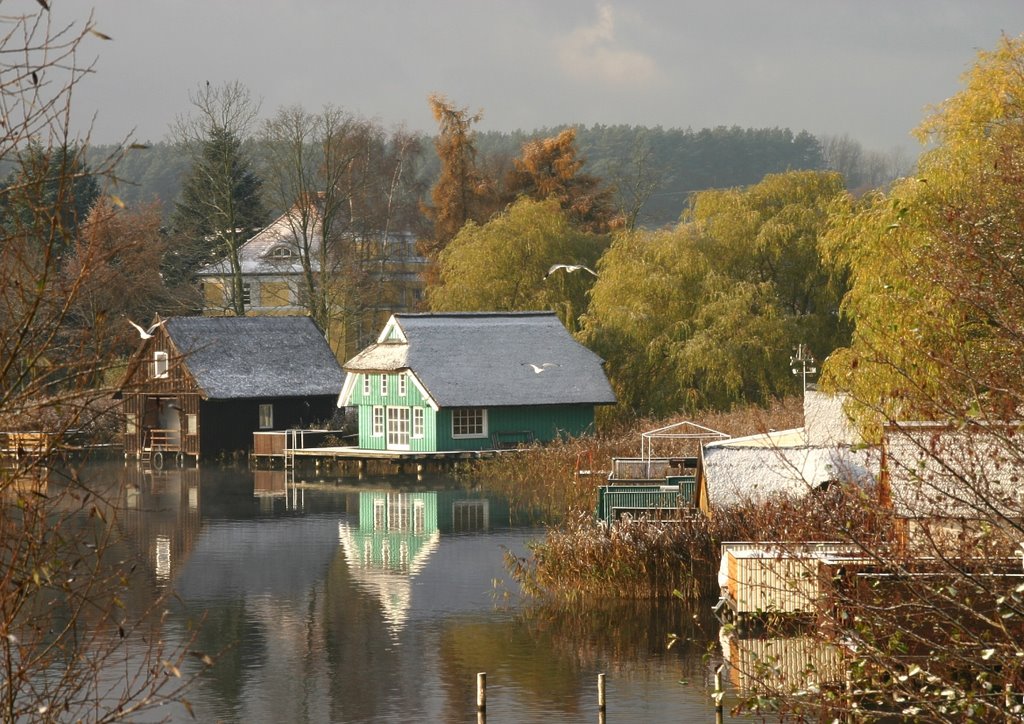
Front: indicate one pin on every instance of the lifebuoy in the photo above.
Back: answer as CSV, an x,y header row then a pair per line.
x,y
158,460
180,459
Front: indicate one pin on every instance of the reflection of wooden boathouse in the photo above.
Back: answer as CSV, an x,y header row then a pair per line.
x,y
201,386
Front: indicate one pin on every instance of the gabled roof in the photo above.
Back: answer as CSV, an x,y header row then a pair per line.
x,y
942,472
246,357
258,255
488,359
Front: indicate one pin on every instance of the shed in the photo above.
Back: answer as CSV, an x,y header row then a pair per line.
x,y
200,386
790,463
473,381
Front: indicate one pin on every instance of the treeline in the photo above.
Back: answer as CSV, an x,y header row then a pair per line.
x,y
672,163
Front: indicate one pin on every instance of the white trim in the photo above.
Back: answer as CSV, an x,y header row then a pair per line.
x,y
423,391
402,385
367,385
347,388
161,365
417,412
384,385
392,324
374,430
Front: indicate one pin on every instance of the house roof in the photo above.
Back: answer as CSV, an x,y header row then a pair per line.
x,y
488,359
942,472
246,357
736,474
259,254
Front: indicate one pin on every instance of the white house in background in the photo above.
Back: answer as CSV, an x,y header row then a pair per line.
x,y
792,463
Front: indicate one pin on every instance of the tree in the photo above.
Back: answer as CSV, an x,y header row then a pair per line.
x,y
502,265
70,647
461,193
551,168
349,189
707,315
220,205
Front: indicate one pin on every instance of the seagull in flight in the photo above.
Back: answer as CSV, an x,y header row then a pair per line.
x,y
146,333
569,268
539,368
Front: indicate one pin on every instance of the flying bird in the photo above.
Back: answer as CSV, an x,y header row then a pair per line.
x,y
539,368
146,333
569,268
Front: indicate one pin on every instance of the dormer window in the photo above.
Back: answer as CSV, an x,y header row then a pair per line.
x,y
280,252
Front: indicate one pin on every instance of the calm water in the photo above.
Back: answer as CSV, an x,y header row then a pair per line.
x,y
380,600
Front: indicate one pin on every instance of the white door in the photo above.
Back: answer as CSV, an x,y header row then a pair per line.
x,y
398,428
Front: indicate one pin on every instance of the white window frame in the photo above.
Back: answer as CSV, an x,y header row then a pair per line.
x,y
401,384
161,365
367,389
418,425
458,421
247,294
266,416
384,385
377,424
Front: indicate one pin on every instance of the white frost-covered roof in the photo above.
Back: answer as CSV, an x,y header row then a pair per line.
x,y
942,472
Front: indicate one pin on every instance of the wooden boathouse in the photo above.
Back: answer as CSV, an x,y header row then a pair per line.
x,y
200,386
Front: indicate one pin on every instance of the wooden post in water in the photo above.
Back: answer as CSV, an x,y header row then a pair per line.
x,y
600,693
719,712
481,691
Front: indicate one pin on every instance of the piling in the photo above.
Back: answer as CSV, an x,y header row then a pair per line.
x,y
719,694
600,693
481,691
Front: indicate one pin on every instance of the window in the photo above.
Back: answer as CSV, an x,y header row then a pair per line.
x,y
246,293
469,422
417,422
266,417
192,425
384,385
401,384
160,364
281,252
131,423
366,385
378,421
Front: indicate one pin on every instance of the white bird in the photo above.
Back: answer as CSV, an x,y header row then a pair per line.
x,y
569,268
539,368
146,333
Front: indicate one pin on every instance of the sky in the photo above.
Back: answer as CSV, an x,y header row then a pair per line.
x,y
865,68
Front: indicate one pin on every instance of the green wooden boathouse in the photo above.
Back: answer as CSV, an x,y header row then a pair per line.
x,y
473,381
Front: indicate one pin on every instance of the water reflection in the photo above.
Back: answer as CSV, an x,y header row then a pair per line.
x,y
379,601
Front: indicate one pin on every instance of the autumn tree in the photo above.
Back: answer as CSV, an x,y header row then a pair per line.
x,y
503,265
70,648
461,193
551,168
220,205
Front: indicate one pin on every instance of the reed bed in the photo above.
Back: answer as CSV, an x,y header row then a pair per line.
x,y
585,560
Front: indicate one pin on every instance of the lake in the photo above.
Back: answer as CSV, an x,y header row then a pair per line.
x,y
379,600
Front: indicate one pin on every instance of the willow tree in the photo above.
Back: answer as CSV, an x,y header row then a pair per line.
x,y
503,265
936,264
707,315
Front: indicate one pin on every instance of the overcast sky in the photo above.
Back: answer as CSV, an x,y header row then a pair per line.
x,y
867,68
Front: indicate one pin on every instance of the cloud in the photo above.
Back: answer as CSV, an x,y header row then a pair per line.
x,y
593,53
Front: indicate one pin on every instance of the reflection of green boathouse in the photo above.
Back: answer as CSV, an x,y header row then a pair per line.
x,y
397,533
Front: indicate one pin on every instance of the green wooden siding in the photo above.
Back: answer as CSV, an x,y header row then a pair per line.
x,y
543,423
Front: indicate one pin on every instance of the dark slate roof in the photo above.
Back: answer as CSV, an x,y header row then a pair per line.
x,y
246,357
487,360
